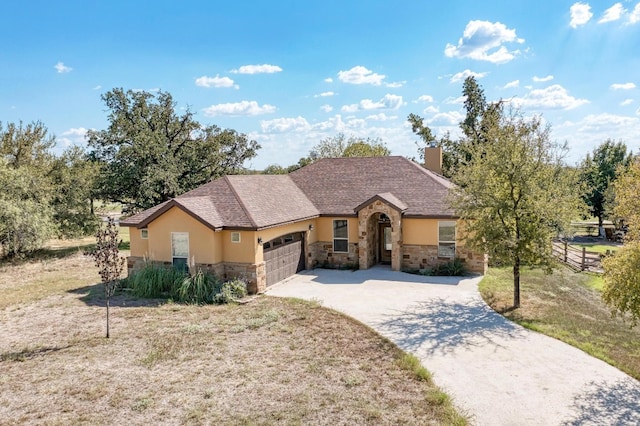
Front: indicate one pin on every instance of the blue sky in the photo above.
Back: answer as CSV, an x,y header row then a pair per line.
x,y
290,73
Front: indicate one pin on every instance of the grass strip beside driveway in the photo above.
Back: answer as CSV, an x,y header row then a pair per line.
x,y
567,306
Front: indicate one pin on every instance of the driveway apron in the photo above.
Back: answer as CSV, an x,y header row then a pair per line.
x,y
497,372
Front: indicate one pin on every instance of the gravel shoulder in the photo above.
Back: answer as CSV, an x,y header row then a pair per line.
x,y
497,371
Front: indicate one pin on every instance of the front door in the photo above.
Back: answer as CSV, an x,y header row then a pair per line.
x,y
385,243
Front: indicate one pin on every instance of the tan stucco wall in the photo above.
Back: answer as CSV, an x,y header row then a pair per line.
x,y
139,247
420,231
324,229
203,244
243,252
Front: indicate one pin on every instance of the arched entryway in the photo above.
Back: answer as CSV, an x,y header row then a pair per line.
x,y
380,231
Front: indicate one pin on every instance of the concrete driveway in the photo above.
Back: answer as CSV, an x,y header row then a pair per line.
x,y
497,372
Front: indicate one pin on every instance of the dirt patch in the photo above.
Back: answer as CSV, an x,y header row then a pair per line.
x,y
271,361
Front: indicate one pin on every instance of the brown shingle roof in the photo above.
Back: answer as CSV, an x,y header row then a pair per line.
x,y
330,187
337,186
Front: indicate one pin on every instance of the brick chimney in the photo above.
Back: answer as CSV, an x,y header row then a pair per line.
x,y
433,159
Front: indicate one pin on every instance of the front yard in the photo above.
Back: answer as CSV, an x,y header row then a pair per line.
x,y
272,361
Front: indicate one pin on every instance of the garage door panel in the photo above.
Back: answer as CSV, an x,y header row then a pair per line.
x,y
283,260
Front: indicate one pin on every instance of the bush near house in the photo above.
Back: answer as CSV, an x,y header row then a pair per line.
x,y
156,281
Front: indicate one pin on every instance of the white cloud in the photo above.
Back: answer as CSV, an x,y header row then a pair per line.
x,y
281,125
75,135
512,84
395,84
462,75
216,81
614,13
446,118
626,102
634,16
324,95
425,98
328,80
387,102
580,14
257,69
455,101
98,87
62,68
484,41
326,108
623,86
542,79
381,117
589,132
239,108
431,110
552,97
360,75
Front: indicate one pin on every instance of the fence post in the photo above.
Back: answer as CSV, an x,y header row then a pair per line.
x,y
584,256
565,251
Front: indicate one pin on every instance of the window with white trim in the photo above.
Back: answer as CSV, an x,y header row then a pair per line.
x,y
447,239
340,236
180,249
235,237
144,233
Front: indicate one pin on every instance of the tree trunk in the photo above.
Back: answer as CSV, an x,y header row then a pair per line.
x,y
107,316
601,233
516,282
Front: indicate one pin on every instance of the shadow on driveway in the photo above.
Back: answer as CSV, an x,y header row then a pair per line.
x,y
605,403
377,273
440,325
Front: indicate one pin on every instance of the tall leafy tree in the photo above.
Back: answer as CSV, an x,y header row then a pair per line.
x,y
149,153
342,146
599,171
26,217
480,116
515,195
74,175
622,270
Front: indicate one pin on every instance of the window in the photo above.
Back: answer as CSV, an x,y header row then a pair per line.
x,y
180,249
144,233
447,239
340,236
235,237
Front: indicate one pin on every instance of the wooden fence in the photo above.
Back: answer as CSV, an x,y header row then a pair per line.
x,y
577,258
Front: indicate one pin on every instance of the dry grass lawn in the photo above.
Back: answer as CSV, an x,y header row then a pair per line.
x,y
271,361
568,306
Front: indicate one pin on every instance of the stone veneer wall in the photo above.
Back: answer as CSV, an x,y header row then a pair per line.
x,y
253,274
422,257
367,232
321,253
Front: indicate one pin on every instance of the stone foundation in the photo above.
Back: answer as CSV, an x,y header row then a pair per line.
x,y
253,274
321,254
423,257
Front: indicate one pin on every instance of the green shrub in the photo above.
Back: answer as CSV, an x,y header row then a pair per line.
x,y
198,288
454,268
157,281
231,291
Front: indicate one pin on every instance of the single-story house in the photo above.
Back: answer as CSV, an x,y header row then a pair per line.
x,y
336,212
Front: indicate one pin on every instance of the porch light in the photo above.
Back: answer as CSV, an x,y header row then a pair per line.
x,y
311,227
259,240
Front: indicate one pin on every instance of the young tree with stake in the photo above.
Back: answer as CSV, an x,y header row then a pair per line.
x,y
108,260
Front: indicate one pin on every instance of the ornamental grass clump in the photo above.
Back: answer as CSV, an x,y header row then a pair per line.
x,y
158,282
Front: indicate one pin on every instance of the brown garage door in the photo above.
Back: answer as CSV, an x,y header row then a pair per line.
x,y
283,257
